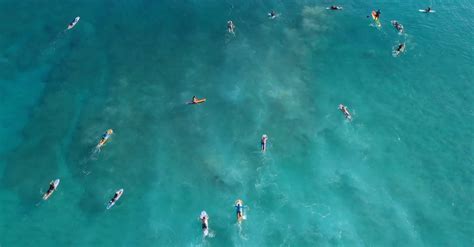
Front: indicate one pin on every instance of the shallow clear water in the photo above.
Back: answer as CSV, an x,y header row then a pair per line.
x,y
400,174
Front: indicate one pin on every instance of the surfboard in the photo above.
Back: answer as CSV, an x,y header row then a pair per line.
x,y
55,183
424,11
338,8
111,204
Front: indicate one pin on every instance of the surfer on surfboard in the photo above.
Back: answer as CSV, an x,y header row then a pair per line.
x,y
230,27
397,26
400,49
114,199
334,7
105,137
272,14
204,223
195,100
427,10
263,142
73,23
376,16
239,208
344,110
53,185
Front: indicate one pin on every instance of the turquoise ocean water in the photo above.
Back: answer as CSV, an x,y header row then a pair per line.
x,y
400,174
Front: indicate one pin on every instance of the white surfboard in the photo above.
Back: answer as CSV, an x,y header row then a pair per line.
x,y
112,203
73,23
55,184
424,11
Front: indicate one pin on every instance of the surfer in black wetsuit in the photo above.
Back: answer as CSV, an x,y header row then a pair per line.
x,y
204,222
399,49
51,187
272,14
114,199
397,26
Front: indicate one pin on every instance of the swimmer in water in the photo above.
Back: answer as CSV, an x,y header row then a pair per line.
x,y
73,23
334,7
397,26
272,14
230,27
428,10
399,49
105,138
344,110
263,142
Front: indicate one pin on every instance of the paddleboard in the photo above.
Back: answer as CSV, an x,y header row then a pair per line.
x,y
112,203
55,183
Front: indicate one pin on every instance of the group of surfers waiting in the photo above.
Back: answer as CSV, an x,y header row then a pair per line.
x,y
400,48
239,206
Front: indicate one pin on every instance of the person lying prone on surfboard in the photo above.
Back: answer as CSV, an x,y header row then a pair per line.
x,y
375,14
345,111
105,138
263,142
230,27
195,100
334,7
204,221
239,208
272,14
400,49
